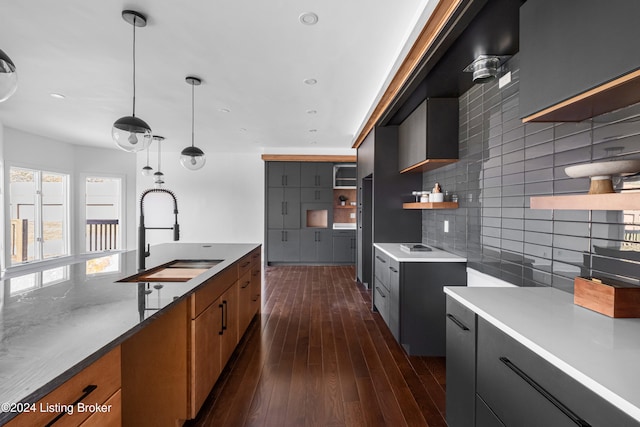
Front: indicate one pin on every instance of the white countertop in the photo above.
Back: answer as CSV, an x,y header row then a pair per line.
x,y
599,352
435,255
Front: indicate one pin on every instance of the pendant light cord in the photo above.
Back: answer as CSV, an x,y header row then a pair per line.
x,y
134,66
192,113
159,149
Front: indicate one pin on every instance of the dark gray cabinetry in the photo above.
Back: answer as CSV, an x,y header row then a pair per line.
x,y
560,42
522,389
317,175
283,245
411,295
283,174
316,245
283,207
461,364
316,195
484,416
344,246
430,132
381,191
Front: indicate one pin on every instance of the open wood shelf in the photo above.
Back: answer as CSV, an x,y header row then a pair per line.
x,y
345,207
430,205
428,165
601,202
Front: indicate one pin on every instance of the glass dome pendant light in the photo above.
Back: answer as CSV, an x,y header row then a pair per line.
x,y
159,176
192,157
130,132
8,77
147,170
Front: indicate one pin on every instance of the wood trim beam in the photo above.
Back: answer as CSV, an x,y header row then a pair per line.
x,y
309,158
440,16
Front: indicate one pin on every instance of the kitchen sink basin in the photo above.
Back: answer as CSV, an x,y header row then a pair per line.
x,y
180,270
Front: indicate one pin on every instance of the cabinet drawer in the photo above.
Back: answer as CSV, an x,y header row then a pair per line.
x,y
256,257
112,417
525,390
244,264
484,416
381,300
382,267
95,384
212,289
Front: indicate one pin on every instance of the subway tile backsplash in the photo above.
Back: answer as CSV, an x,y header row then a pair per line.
x,y
502,163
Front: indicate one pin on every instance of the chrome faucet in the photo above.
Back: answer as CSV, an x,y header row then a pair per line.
x,y
142,230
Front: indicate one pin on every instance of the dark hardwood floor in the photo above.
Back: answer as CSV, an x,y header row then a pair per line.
x,y
318,356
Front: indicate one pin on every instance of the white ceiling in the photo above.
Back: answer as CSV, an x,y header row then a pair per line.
x,y
252,55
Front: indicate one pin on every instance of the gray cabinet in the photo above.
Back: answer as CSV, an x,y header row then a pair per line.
x,y
316,195
522,389
461,365
316,245
344,246
316,175
484,416
430,132
283,174
283,245
411,294
561,47
283,207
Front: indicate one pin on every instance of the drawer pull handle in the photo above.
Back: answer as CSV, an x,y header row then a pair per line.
x,y
457,322
246,284
393,269
245,264
568,412
381,294
85,392
381,259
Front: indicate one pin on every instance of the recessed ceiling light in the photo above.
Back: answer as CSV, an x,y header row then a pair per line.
x,y
313,130
311,111
243,129
308,18
310,81
224,110
313,142
57,95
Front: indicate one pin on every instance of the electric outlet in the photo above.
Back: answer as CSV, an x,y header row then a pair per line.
x,y
504,80
352,215
446,226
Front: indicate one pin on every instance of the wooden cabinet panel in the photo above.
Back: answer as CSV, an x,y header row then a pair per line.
x,y
229,302
155,383
212,289
206,330
245,306
94,384
111,418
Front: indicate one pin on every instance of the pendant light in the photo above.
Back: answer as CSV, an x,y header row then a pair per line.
x,y
130,132
147,170
8,77
159,176
192,157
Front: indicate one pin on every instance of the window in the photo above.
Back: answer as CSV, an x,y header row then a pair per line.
x,y
103,210
39,206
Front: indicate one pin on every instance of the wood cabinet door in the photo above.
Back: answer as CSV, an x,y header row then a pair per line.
x,y
256,289
245,305
206,339
230,319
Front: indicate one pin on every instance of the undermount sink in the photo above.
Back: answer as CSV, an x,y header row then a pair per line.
x,y
180,270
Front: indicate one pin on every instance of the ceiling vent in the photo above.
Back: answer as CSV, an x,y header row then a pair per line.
x,y
485,67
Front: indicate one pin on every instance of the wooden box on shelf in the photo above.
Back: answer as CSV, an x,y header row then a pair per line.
x,y
611,299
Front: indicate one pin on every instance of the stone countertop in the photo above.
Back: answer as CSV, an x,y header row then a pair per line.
x,y
600,352
435,255
55,322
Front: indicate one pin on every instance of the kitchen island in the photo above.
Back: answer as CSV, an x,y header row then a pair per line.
x,y
57,322
540,358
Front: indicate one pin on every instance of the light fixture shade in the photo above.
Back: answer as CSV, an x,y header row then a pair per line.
x,y
131,134
8,77
192,158
147,171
